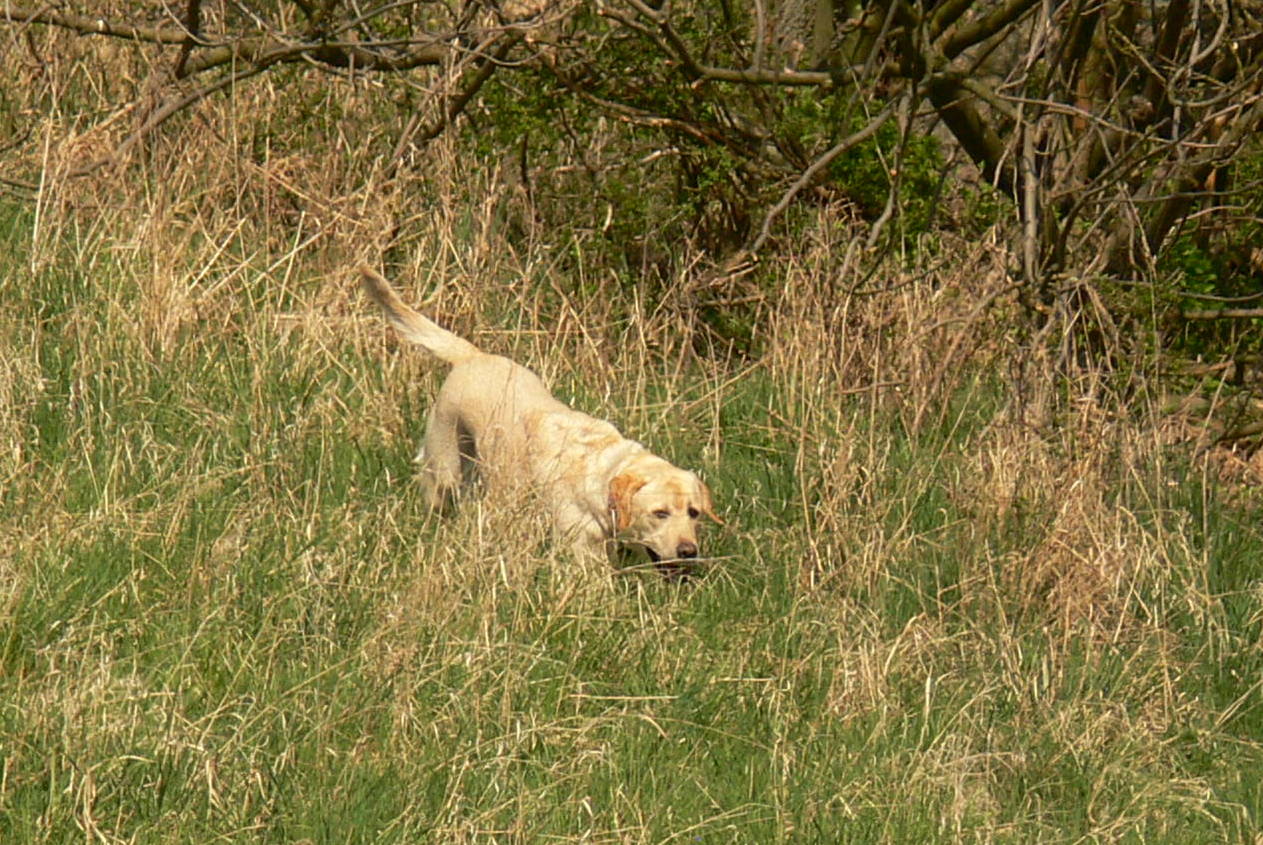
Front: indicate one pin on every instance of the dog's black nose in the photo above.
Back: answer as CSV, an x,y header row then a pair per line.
x,y
686,549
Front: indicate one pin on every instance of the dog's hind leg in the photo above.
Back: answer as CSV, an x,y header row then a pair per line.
x,y
440,458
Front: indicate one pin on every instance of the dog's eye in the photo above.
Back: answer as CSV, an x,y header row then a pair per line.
x,y
693,513
662,513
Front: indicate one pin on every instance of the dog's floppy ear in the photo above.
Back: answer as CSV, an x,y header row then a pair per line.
x,y
622,488
707,508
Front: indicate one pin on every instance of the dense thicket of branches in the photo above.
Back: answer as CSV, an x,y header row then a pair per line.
x,y
1114,133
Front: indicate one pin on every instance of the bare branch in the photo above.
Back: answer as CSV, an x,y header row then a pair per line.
x,y
946,14
812,173
670,42
1176,14
93,26
256,50
1190,179
962,38
976,135
266,51
1224,314
486,67
193,27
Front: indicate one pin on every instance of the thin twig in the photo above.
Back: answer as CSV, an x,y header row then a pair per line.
x,y
1223,314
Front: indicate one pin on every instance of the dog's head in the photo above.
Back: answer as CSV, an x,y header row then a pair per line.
x,y
657,506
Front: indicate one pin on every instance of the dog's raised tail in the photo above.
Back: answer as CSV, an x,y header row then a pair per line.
x,y
411,325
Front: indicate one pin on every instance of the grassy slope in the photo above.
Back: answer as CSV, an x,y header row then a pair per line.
x,y
225,614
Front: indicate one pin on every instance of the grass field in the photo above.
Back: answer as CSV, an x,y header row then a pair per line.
x,y
225,616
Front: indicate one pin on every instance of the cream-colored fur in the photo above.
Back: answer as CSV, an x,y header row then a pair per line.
x,y
499,417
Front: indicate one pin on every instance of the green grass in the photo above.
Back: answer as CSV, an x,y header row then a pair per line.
x,y
226,616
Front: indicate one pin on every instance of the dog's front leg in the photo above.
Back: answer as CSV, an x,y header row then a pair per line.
x,y
587,539
587,550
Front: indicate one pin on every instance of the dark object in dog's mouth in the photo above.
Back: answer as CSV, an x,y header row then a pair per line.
x,y
675,569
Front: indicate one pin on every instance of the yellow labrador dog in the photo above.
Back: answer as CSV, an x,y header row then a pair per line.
x,y
498,416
